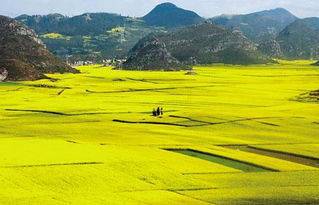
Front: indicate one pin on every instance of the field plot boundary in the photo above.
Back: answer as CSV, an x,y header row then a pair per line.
x,y
152,123
53,165
147,89
267,162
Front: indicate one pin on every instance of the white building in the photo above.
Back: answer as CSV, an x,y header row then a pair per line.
x,y
3,74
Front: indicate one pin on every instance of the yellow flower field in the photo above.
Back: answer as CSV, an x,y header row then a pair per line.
x,y
90,138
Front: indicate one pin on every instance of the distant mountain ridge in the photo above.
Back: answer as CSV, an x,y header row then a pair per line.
x,y
96,36
170,16
85,24
164,15
23,56
258,25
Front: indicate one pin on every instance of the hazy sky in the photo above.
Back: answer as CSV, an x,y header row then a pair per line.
x,y
206,8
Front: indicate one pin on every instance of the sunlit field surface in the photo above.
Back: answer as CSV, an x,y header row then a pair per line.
x,y
229,135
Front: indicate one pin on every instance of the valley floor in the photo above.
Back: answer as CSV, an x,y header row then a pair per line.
x,y
229,135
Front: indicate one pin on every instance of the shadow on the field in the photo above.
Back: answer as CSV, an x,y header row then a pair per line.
x,y
68,114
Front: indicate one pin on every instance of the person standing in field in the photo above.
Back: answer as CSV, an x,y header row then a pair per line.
x,y
154,112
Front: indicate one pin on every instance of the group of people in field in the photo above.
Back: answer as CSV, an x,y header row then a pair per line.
x,y
158,112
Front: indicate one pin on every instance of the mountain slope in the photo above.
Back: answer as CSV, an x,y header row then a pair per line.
x,y
271,48
170,16
151,54
207,43
23,56
258,25
301,39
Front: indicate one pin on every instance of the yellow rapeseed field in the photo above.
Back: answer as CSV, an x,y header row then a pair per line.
x,y
90,138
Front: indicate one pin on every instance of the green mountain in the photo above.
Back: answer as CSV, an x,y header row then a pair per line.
x,y
150,53
207,43
170,16
259,25
91,37
300,40
23,56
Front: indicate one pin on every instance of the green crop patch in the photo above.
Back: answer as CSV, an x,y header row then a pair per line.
x,y
9,84
243,166
296,158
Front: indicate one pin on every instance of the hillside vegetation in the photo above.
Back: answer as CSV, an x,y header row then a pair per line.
x,y
23,55
81,25
151,54
91,36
